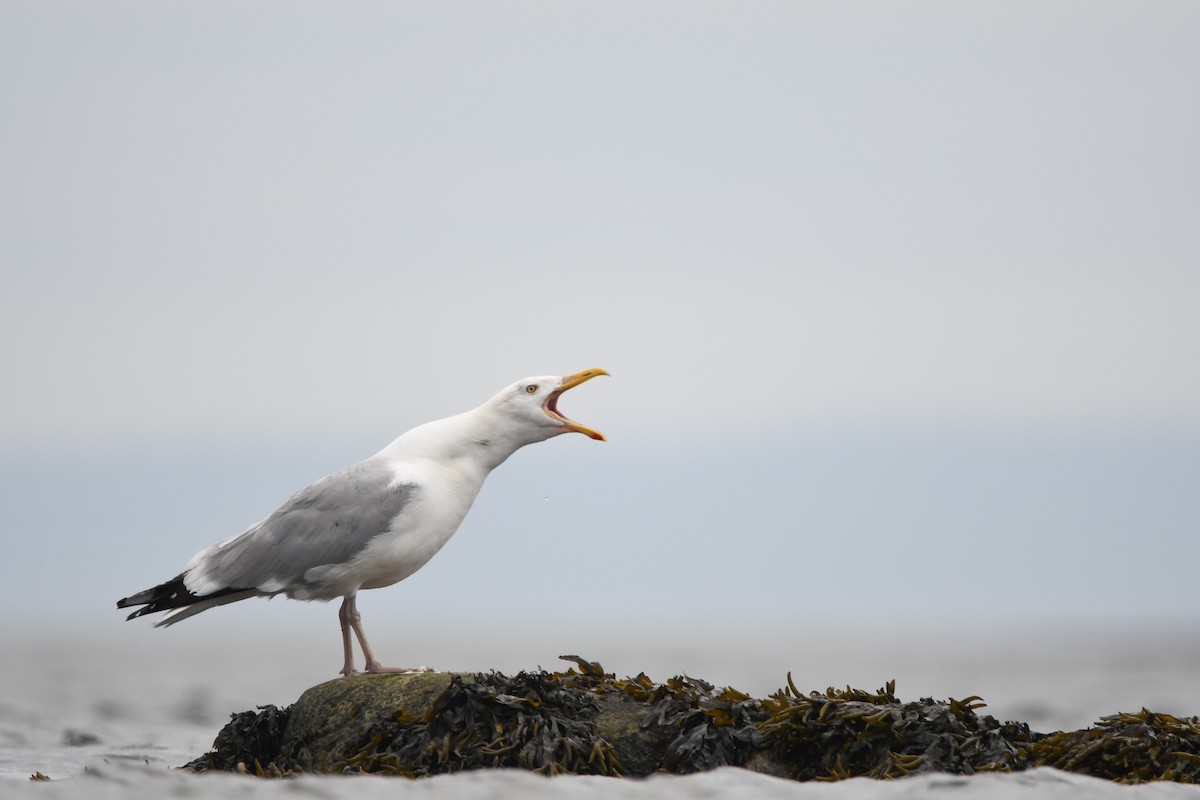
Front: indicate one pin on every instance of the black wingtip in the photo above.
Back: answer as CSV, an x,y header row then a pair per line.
x,y
139,599
169,595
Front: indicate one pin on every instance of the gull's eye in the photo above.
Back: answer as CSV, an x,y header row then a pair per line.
x,y
531,389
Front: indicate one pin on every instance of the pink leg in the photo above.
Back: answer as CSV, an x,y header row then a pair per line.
x,y
345,615
352,621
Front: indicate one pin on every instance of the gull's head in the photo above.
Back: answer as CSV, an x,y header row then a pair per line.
x,y
533,402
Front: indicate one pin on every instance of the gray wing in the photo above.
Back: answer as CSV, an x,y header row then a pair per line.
x,y
328,522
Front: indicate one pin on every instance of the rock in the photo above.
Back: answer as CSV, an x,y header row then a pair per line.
x,y
639,749
586,721
74,738
329,720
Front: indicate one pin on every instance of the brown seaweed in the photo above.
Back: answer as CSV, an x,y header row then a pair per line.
x,y
846,733
587,721
532,721
249,739
1129,748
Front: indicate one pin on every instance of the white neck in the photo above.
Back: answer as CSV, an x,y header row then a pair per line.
x,y
477,436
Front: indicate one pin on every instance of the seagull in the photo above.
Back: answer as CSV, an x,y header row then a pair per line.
x,y
371,524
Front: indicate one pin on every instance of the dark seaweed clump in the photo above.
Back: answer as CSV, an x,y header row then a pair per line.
x,y
586,721
700,727
533,720
249,739
1130,748
848,733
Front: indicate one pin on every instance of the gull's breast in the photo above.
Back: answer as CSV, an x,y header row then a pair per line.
x,y
444,495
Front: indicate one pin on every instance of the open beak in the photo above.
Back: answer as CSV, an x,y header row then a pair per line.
x,y
569,382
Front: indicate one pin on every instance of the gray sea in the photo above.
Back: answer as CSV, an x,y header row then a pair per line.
x,y
110,714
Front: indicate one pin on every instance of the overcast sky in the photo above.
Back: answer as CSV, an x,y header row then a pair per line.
x,y
895,297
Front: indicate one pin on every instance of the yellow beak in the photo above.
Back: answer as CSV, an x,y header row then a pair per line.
x,y
569,382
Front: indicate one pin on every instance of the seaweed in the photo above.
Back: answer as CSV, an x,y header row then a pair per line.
x,y
839,734
1129,748
249,738
711,729
531,721
697,728
587,721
